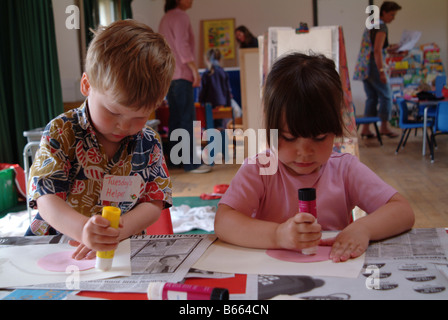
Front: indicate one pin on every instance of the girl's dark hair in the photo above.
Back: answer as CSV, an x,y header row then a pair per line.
x,y
170,5
303,94
389,6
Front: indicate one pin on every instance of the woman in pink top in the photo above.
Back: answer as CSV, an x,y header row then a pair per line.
x,y
303,100
176,27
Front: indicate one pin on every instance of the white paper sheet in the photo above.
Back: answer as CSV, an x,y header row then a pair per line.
x,y
317,41
409,39
224,257
146,253
18,266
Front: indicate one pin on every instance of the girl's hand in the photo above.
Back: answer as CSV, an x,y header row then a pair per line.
x,y
349,243
299,232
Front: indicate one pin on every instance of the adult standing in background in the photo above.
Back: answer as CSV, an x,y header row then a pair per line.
x,y
245,38
176,27
372,70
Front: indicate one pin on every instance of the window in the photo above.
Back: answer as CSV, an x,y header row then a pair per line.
x,y
107,12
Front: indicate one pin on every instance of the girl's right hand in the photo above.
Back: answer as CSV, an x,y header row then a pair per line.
x,y
299,232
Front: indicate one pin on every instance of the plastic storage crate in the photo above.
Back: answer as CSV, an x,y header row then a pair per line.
x,y
8,192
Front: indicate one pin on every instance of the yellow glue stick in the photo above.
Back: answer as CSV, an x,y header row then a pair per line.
x,y
104,258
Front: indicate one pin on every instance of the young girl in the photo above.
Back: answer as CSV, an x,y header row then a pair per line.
x,y
303,99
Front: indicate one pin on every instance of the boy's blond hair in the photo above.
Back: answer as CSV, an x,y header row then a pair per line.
x,y
132,63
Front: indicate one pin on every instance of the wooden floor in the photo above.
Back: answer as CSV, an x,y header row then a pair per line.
x,y
423,183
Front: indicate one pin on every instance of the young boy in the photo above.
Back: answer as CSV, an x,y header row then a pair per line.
x,y
102,153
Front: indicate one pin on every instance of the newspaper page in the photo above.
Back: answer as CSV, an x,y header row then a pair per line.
x,y
34,240
165,258
411,266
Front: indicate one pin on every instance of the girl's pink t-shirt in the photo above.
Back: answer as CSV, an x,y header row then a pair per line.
x,y
341,184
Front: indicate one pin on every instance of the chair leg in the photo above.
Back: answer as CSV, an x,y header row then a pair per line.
x,y
407,137
435,141
378,133
431,147
401,140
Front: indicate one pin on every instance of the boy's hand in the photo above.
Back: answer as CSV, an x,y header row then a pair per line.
x,y
299,232
99,236
349,243
81,252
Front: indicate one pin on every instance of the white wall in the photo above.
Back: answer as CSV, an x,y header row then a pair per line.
x,y
350,14
257,15
429,16
68,53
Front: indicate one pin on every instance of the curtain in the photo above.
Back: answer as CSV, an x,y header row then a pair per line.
x,y
30,80
6,149
90,18
126,9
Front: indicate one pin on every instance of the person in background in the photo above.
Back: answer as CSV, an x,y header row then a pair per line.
x,y
176,27
372,70
245,38
215,84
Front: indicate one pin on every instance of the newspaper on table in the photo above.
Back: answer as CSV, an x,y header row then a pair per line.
x,y
165,258
411,266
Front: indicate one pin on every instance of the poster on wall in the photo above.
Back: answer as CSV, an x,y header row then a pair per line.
x,y
219,34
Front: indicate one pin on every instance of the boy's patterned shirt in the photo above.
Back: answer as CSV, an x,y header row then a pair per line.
x,y
71,164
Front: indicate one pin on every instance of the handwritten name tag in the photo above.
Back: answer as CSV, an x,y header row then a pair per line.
x,y
121,189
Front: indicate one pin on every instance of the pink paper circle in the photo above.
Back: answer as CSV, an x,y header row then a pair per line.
x,y
323,254
59,261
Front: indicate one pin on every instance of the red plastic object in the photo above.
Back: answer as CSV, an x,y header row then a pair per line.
x,y
19,179
162,226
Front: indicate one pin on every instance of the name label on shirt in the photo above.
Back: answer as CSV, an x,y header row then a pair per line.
x,y
121,189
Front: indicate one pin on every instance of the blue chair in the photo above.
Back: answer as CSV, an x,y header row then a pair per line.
x,y
440,82
367,121
407,124
440,126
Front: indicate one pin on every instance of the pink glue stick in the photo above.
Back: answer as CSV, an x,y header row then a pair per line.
x,y
179,291
307,203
